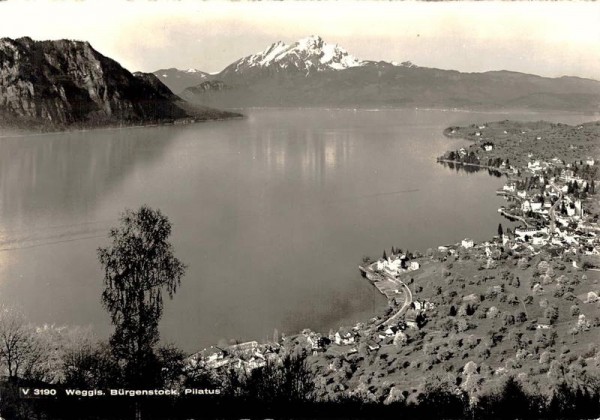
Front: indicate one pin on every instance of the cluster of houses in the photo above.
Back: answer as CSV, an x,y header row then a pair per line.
x,y
345,341
487,249
553,213
395,264
380,333
247,356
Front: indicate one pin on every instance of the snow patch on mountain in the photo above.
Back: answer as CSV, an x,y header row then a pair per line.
x,y
272,53
311,53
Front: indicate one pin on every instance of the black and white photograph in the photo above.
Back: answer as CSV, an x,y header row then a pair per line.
x,y
299,209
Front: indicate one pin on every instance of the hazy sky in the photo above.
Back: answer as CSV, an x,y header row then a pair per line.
x,y
546,38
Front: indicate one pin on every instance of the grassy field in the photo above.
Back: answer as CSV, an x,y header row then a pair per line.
x,y
487,329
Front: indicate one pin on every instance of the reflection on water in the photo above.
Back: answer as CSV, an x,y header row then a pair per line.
x,y
62,177
272,214
312,154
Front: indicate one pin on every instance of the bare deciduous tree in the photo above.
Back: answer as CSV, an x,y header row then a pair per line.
x,y
55,343
18,343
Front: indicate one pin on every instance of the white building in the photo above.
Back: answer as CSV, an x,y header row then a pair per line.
x,y
343,338
522,232
391,265
534,166
568,175
467,243
509,187
536,206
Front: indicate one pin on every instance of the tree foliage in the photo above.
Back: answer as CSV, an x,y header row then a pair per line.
x,y
138,266
89,364
289,380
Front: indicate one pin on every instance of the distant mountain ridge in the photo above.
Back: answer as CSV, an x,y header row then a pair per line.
x,y
178,80
312,72
65,83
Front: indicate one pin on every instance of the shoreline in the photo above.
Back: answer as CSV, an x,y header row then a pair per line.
x,y
408,108
123,127
475,165
420,311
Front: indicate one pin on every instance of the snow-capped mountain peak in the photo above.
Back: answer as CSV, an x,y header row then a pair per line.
x,y
311,42
275,51
306,55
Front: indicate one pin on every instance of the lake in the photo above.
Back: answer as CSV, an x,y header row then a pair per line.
x,y
272,214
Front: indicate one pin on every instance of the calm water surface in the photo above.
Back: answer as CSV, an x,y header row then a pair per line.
x,y
271,213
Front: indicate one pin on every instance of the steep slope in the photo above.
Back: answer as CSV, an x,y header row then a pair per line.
x,y
178,80
307,56
59,84
314,73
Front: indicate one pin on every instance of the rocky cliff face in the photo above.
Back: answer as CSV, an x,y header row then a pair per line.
x,y
64,83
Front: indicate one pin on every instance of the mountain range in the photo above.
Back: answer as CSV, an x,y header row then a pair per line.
x,y
64,83
312,72
179,80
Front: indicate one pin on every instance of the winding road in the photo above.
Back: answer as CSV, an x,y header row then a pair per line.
x,y
407,300
408,297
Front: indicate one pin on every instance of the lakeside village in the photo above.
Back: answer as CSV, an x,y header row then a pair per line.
x,y
475,312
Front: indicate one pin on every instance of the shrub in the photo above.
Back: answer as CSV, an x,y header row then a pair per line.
x,y
575,311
